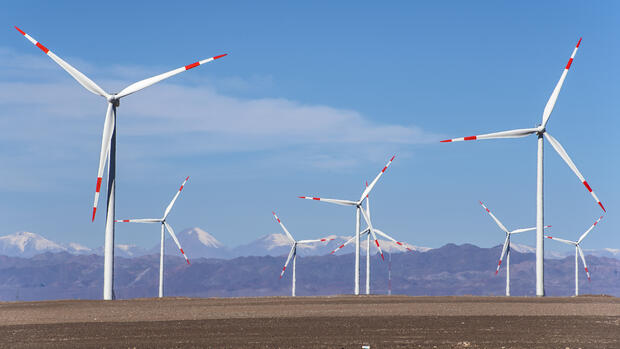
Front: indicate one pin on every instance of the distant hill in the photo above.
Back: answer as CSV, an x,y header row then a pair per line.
x,y
448,270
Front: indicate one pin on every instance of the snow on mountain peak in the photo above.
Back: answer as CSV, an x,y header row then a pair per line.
x,y
24,241
204,237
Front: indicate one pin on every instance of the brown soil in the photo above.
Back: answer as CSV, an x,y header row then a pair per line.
x,y
316,322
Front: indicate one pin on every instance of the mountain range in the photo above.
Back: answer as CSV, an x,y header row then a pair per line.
x,y
198,243
447,270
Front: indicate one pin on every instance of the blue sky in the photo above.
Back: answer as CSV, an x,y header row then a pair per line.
x,y
313,99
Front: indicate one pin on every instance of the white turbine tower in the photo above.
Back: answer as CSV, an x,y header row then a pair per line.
x,y
578,251
367,233
541,132
358,209
166,226
506,248
293,253
108,146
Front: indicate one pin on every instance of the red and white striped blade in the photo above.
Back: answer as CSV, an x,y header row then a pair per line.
x,y
137,86
583,259
76,74
399,243
573,243
283,227
139,220
333,201
503,134
167,211
583,236
560,150
494,218
372,231
314,241
372,184
349,241
556,91
106,138
516,231
290,255
504,249
176,241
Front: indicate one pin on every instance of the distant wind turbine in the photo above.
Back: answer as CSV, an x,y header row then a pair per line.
x,y
166,226
541,132
358,209
578,251
293,252
108,146
506,248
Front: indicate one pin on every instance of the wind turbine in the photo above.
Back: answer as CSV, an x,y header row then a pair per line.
x,y
166,226
293,252
108,146
541,132
578,251
358,209
367,233
506,248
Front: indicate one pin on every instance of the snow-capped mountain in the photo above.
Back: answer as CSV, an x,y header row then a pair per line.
x,y
279,244
26,244
196,243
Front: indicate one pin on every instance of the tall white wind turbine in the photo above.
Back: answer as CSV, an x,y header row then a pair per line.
x,y
108,146
166,226
506,248
541,132
293,253
578,251
358,209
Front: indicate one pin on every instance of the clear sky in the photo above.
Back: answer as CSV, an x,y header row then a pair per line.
x,y
313,99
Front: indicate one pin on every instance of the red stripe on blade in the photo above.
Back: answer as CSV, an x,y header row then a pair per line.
x,y
43,48
446,140
193,65
220,56
579,42
181,188
570,61
98,187
600,204
94,210
385,168
549,237
125,220
318,199
587,186
470,138
377,242
19,30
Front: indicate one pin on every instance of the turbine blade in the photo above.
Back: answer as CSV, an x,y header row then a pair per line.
x,y
290,255
108,129
283,227
140,220
372,184
137,86
517,231
504,249
377,243
573,243
495,218
176,241
169,208
400,243
314,241
583,259
76,74
583,236
556,91
503,134
349,241
564,155
333,201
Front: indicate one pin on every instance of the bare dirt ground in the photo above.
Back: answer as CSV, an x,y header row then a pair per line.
x,y
315,322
